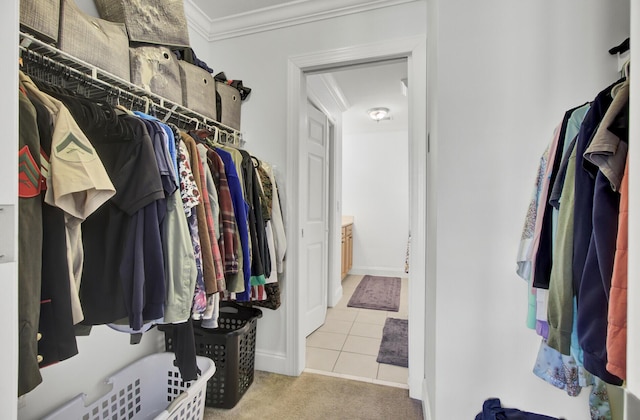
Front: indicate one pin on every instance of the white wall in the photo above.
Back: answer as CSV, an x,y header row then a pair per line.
x,y
506,72
260,60
375,190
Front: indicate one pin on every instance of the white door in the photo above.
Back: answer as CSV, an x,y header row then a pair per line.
x,y
315,220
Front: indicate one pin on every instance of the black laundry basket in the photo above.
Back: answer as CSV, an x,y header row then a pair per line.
x,y
232,346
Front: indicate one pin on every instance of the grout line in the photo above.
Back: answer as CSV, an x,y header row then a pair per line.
x,y
346,296
359,354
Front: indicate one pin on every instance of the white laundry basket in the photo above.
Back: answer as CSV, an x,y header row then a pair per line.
x,y
150,388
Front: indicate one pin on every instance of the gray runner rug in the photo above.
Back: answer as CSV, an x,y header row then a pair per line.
x,y
375,292
394,348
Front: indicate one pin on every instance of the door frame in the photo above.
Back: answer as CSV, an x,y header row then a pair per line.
x,y
415,51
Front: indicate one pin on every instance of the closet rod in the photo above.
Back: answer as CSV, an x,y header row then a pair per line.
x,y
92,77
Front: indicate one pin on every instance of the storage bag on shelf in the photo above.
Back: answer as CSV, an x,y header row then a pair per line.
x,y
161,22
230,105
97,41
41,18
198,89
156,69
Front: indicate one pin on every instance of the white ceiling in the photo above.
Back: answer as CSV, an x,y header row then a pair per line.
x,y
371,86
364,86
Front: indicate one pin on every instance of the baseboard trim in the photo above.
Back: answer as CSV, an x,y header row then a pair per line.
x,y
426,406
337,295
378,271
271,362
356,378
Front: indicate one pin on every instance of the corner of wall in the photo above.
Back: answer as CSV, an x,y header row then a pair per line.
x,y
426,405
271,362
335,298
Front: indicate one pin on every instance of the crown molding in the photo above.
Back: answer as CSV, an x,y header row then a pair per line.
x,y
276,17
197,19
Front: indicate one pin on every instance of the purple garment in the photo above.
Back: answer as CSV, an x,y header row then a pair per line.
x,y
542,328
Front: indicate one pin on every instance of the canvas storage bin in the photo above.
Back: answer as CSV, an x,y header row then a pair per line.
x,y
97,41
232,347
156,69
230,105
198,89
41,18
160,22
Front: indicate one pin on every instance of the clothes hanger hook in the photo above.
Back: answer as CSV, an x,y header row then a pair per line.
x,y
147,104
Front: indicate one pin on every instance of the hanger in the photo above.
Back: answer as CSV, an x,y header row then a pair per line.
x,y
147,104
620,48
169,113
626,68
624,74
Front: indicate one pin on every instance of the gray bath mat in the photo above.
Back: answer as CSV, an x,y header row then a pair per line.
x,y
375,292
394,348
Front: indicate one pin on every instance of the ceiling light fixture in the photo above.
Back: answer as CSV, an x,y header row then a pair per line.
x,y
378,114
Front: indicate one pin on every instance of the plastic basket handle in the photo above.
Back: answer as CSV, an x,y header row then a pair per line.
x,y
174,406
229,309
233,308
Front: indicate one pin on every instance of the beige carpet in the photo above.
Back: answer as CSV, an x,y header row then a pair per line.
x,y
311,396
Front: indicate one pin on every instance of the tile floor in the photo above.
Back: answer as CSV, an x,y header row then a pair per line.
x,y
348,342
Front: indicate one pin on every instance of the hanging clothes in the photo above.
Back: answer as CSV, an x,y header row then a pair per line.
x,y
209,270
70,153
140,224
240,209
617,316
256,223
190,199
228,243
588,286
598,269
29,227
585,256
178,251
560,308
57,339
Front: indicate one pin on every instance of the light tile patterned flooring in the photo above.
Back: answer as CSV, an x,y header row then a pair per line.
x,y
347,344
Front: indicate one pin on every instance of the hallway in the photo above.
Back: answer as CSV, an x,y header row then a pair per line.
x,y
347,344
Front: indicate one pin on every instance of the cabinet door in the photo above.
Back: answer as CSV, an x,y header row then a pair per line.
x,y
343,269
349,246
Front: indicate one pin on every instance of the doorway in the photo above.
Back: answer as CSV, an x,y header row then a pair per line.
x,y
372,194
414,50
